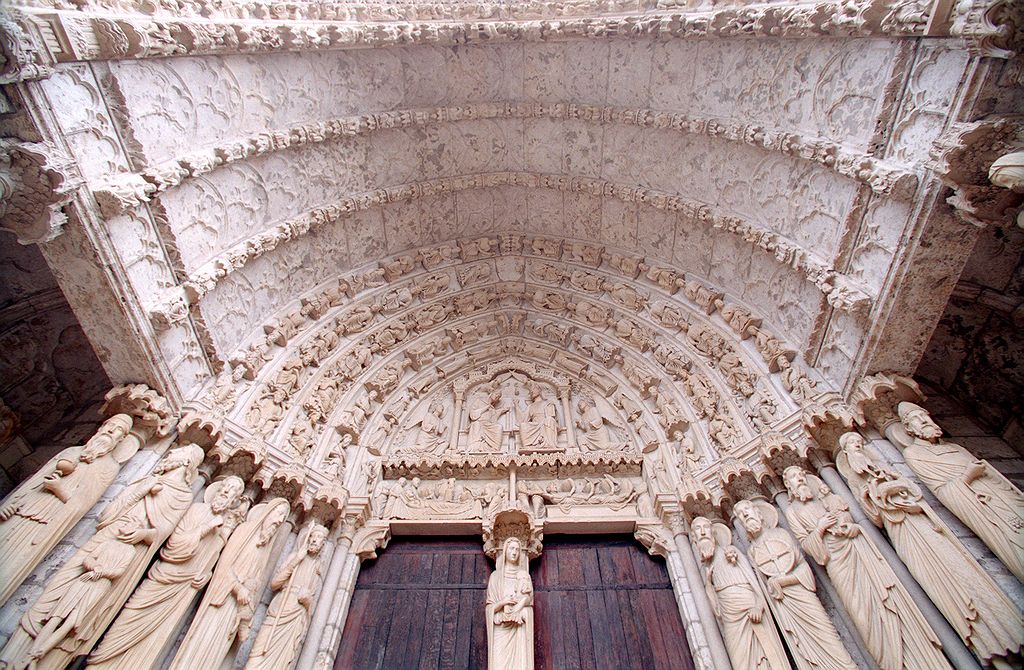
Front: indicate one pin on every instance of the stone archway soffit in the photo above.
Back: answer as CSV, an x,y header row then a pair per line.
x,y
840,290
162,32
120,192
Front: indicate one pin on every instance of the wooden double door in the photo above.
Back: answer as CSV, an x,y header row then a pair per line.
x,y
600,602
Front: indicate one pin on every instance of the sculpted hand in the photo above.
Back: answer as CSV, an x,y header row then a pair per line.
x,y
774,589
146,535
755,613
7,511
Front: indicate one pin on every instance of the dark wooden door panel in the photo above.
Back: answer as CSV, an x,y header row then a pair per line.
x,y
601,603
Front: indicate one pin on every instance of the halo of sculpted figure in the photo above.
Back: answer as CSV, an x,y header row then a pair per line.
x,y
35,517
230,601
774,554
81,600
148,625
982,615
893,629
296,583
509,610
968,487
737,600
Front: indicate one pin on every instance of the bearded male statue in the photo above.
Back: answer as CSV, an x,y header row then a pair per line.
x,y
737,600
969,487
893,629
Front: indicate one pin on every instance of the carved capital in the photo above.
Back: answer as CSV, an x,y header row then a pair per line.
x,y
992,28
371,538
24,54
961,159
656,537
36,181
147,408
513,520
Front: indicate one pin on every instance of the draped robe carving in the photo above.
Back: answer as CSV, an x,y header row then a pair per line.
x,y
736,598
86,594
35,517
893,629
979,612
148,625
296,583
979,495
538,429
790,584
234,591
509,610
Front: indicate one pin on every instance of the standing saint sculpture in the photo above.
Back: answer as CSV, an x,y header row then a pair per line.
x,y
35,517
737,600
969,487
509,610
296,583
981,614
230,601
148,625
790,584
485,410
893,629
81,600
538,426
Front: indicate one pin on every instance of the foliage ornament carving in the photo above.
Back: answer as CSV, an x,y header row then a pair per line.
x,y
37,180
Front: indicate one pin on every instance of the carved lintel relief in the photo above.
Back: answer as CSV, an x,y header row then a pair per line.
x,y
37,180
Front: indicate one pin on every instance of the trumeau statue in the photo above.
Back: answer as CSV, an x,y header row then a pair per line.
x,y
893,629
296,583
230,601
43,509
736,598
509,610
86,594
969,487
774,554
148,624
538,425
985,618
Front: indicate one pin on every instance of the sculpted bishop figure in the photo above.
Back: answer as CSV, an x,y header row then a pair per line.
x,y
969,487
736,598
42,510
982,615
775,555
893,629
81,600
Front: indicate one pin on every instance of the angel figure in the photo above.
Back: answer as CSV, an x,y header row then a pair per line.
x,y
433,429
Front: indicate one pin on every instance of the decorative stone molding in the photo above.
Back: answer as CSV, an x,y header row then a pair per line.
x,y
534,465
991,28
146,407
656,537
840,290
102,36
125,191
371,538
24,55
36,181
961,158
